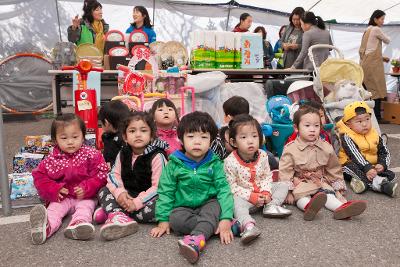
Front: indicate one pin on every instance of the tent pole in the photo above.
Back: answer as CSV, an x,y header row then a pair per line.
x,y
229,13
58,19
154,10
314,5
5,187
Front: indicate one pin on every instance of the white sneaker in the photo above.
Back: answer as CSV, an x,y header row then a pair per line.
x,y
38,221
357,185
274,211
249,234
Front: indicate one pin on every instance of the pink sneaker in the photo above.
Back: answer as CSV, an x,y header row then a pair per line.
x,y
190,247
118,225
79,230
99,216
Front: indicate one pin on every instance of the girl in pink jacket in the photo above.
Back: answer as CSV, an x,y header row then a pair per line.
x,y
166,118
68,180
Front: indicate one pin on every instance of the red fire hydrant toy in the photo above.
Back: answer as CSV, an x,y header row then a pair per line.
x,y
85,99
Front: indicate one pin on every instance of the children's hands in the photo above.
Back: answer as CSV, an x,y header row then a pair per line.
x,y
162,228
225,232
62,193
260,200
289,198
371,174
79,192
379,168
131,205
267,199
122,200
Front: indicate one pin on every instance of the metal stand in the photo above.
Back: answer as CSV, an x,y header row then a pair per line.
x,y
5,187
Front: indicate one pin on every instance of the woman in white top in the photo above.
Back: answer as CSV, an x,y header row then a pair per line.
x,y
371,60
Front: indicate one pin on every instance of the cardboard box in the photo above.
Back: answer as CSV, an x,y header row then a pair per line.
x,y
391,112
115,60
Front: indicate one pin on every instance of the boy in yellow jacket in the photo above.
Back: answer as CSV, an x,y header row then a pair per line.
x,y
363,154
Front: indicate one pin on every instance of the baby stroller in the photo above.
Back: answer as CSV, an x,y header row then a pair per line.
x,y
334,71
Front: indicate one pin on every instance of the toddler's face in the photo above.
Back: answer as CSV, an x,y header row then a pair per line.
x,y
69,138
138,135
247,141
309,127
360,124
196,145
164,116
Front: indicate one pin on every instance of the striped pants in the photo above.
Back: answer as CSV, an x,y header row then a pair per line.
x,y
351,170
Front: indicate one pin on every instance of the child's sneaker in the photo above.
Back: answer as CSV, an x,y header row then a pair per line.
x,y
314,206
389,188
99,216
236,227
274,211
357,185
38,221
118,225
190,247
249,234
79,230
350,209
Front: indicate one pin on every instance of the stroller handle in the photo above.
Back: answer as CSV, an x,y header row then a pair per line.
x,y
321,46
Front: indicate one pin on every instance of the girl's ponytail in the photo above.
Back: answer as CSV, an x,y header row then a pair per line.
x,y
320,22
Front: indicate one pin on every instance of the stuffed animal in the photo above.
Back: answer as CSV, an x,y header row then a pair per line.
x,y
346,89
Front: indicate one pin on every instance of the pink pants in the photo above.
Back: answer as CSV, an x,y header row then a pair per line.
x,y
81,209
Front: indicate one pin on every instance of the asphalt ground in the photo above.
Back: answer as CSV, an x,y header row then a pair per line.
x,y
372,239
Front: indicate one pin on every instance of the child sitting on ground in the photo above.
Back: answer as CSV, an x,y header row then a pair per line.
x,y
363,154
324,134
194,196
111,114
68,179
130,194
248,173
311,168
166,118
232,107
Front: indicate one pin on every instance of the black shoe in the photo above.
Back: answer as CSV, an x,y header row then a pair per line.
x,y
389,188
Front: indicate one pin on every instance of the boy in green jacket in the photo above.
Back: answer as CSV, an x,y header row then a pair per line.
x,y
194,196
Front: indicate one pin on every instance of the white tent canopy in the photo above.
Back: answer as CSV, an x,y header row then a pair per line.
x,y
38,24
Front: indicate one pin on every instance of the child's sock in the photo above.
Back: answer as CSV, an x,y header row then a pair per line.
x,y
332,203
302,202
377,183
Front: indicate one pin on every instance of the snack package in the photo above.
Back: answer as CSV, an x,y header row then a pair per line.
x,y
22,185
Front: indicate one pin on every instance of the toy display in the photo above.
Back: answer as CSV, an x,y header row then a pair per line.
x,y
26,162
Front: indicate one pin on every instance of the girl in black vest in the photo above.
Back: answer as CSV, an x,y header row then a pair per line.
x,y
131,190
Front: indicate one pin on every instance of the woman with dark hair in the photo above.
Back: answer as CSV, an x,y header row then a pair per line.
x,y
371,60
141,20
314,33
91,28
292,38
268,52
245,23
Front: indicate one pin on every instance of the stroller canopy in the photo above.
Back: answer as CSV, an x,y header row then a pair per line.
x,y
333,70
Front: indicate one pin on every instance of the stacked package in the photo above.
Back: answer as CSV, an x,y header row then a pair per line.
x,y
27,159
224,50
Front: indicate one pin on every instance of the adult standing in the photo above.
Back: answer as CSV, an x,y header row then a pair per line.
x,y
371,60
141,20
245,23
267,47
292,38
91,28
314,33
